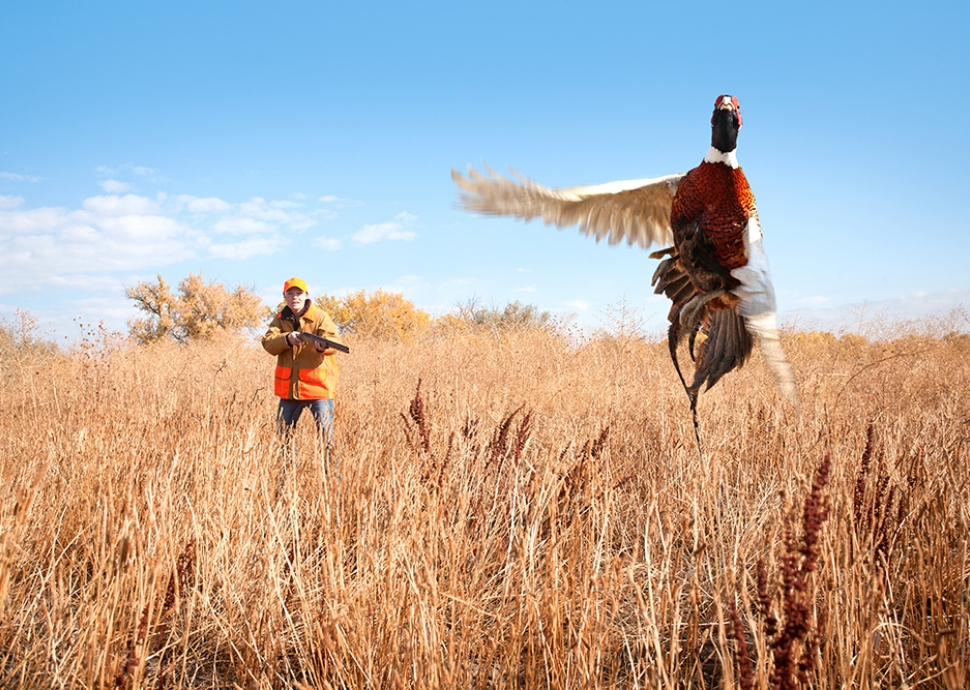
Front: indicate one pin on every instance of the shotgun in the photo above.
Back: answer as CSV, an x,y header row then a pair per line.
x,y
325,342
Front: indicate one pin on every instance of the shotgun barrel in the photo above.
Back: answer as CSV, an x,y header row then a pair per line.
x,y
326,342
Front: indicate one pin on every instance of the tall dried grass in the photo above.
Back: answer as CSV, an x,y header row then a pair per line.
x,y
533,515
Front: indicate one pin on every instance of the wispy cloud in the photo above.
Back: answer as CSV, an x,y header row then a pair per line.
x,y
254,246
870,314
83,281
113,205
815,301
241,226
578,304
272,212
391,230
17,177
114,186
130,232
194,204
331,244
339,201
108,233
140,170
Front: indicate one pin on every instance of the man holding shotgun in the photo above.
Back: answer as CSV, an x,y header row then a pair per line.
x,y
305,341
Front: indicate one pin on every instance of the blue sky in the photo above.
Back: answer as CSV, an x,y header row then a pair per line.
x,y
255,141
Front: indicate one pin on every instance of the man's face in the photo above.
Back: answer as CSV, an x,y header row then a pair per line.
x,y
295,299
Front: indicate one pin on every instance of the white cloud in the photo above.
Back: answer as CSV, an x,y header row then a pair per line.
x,y
196,205
10,202
69,249
254,246
140,228
578,304
298,221
257,207
17,177
114,186
331,244
382,231
79,248
119,206
817,300
240,226
82,281
141,170
391,230
331,199
108,233
79,233
870,317
31,221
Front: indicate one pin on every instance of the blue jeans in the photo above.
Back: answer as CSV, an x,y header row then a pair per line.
x,y
289,413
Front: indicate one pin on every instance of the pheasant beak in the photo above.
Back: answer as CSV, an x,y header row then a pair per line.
x,y
729,103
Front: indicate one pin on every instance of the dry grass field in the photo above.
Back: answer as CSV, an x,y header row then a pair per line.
x,y
535,515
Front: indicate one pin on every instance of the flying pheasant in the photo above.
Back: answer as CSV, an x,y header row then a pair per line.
x,y
715,272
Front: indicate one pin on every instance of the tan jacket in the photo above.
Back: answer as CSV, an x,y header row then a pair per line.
x,y
302,373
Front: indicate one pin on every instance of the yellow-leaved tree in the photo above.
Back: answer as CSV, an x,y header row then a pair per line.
x,y
379,314
197,311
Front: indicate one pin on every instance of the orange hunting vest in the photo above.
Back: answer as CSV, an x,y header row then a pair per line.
x,y
302,373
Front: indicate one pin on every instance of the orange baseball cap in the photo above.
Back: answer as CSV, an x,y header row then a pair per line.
x,y
294,283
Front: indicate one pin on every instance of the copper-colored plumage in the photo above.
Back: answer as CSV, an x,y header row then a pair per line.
x,y
720,200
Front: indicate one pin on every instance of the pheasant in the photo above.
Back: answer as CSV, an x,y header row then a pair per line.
x,y
715,271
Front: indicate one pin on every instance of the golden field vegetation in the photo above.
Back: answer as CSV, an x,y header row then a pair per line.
x,y
508,508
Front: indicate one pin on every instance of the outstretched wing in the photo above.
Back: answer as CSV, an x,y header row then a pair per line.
x,y
637,211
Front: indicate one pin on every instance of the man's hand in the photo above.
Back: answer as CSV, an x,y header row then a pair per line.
x,y
320,347
293,339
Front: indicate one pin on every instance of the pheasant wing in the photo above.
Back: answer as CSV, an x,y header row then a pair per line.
x,y
637,211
